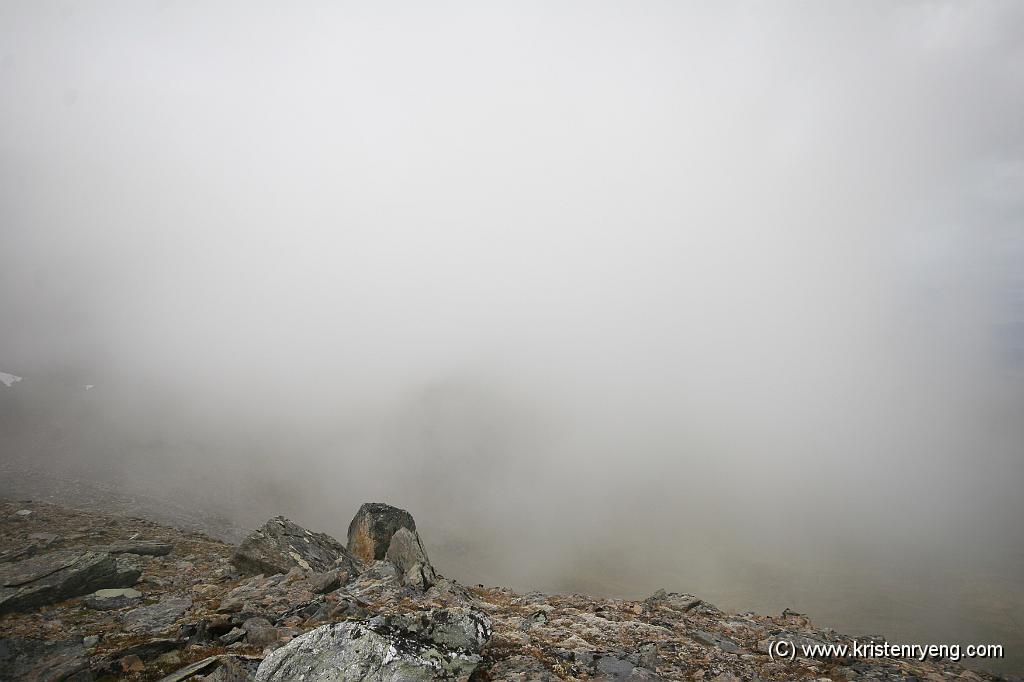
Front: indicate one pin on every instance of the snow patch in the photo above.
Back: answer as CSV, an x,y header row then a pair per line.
x,y
9,380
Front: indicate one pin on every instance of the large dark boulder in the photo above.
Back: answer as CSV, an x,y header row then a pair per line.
x,y
54,577
373,526
428,645
281,545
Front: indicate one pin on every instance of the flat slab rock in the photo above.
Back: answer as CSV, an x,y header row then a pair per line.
x,y
156,617
110,599
281,545
53,577
225,667
429,645
140,547
33,659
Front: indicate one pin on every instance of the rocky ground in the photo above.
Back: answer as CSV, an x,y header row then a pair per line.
x,y
88,596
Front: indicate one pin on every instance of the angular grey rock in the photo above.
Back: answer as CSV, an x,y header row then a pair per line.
x,y
281,545
677,602
378,583
107,600
439,644
407,554
127,572
715,639
56,576
156,617
536,618
322,583
646,656
272,597
449,593
658,596
371,529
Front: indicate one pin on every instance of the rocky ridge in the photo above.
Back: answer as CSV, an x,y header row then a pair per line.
x,y
87,596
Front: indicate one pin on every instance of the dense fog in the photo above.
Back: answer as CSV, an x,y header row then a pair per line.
x,y
611,296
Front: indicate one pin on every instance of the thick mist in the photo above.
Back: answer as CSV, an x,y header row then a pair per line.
x,y
714,297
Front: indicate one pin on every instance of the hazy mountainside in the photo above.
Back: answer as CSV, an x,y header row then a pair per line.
x,y
86,595
505,520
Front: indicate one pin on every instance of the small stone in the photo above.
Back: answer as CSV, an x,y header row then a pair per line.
x,y
23,513
171,658
132,664
45,539
260,633
90,641
233,636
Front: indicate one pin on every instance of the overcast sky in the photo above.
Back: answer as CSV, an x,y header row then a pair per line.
x,y
616,258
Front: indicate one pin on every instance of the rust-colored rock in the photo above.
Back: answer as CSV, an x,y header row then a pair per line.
x,y
371,530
